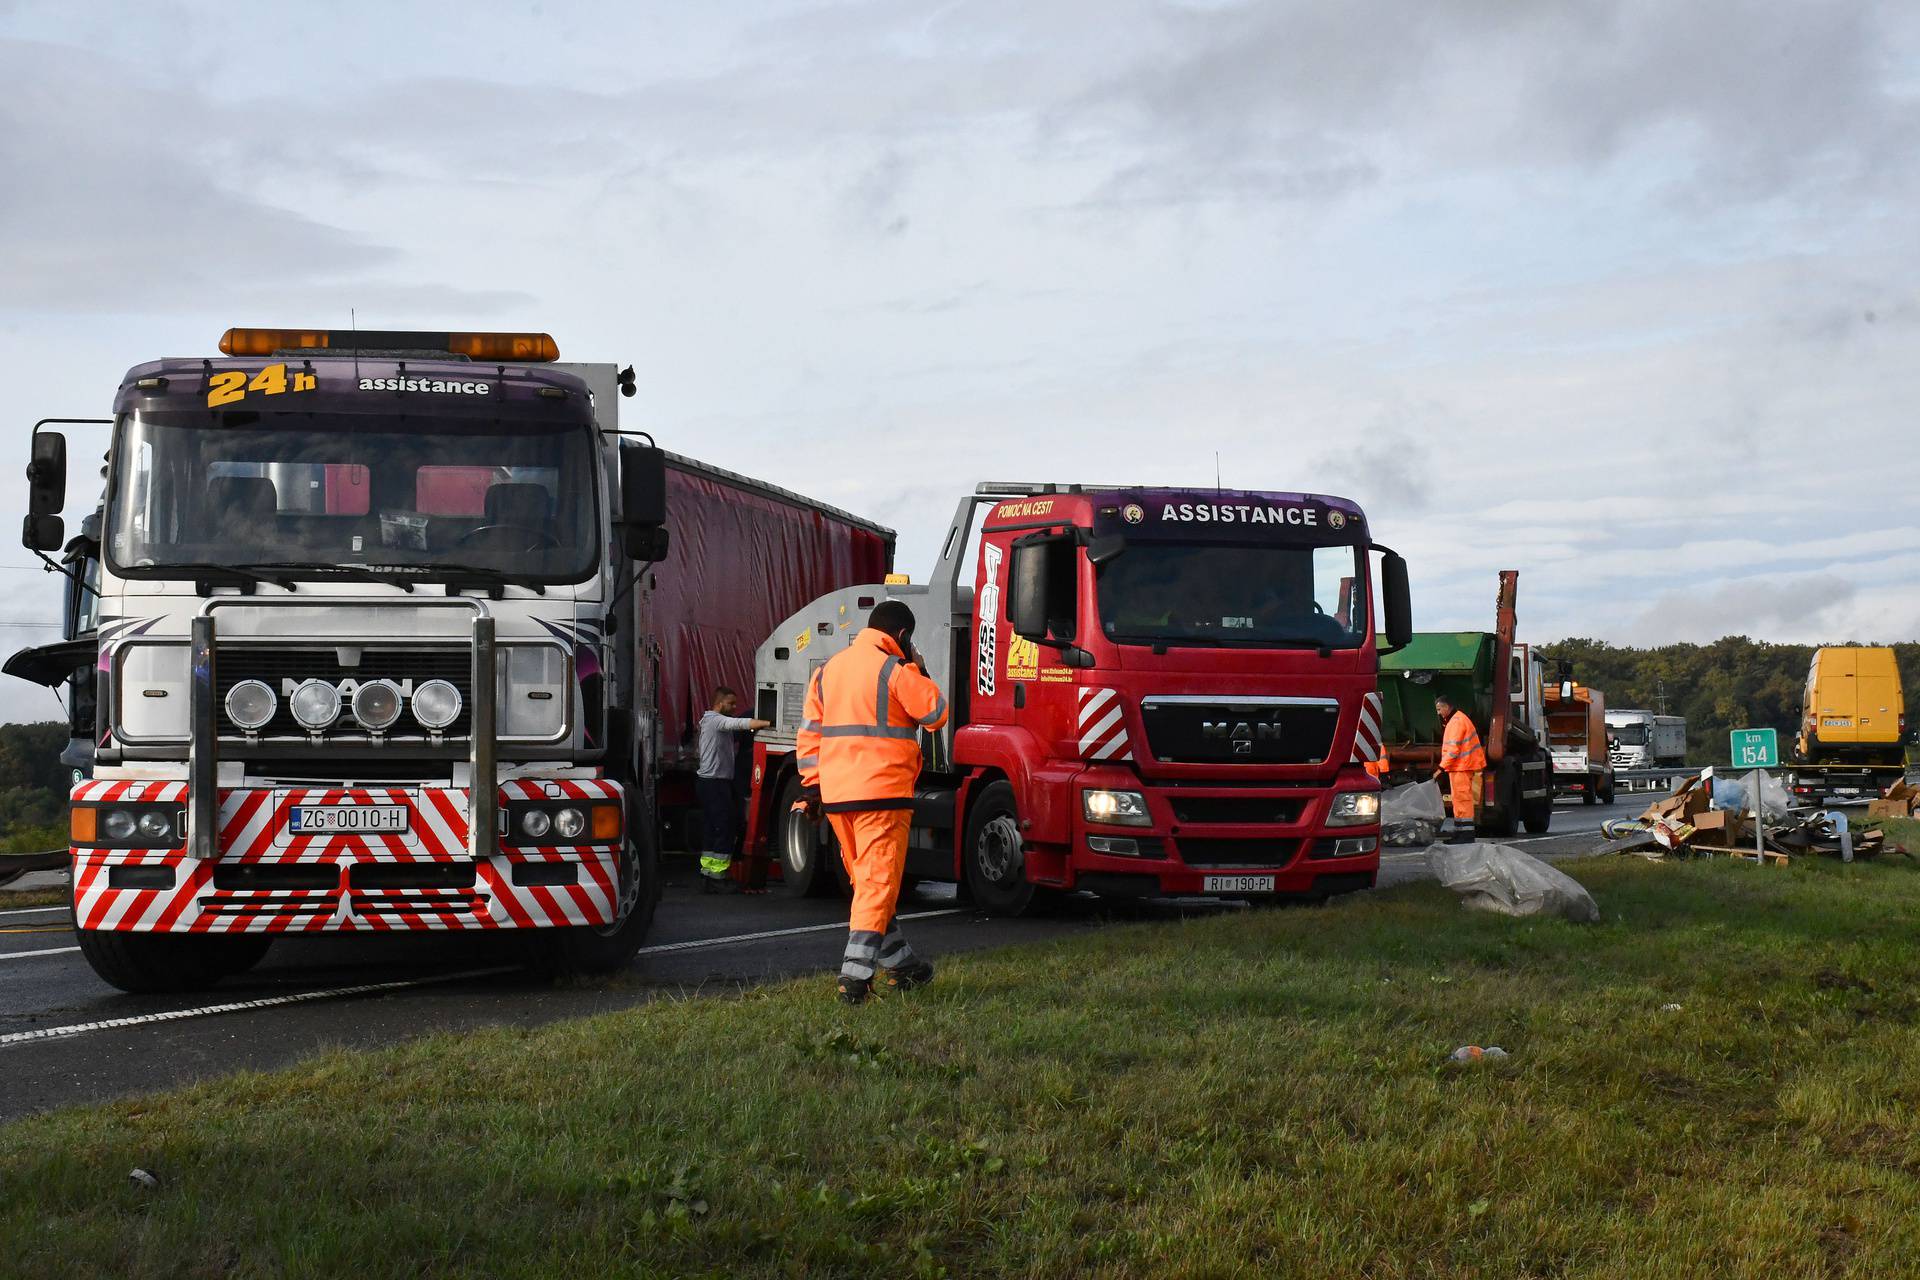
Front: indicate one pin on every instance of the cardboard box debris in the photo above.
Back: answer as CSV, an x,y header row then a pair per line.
x,y
1901,801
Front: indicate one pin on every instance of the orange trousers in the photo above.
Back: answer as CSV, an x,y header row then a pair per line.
x,y
1463,784
873,845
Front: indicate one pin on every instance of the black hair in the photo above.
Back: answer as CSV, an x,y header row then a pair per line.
x,y
722,691
892,617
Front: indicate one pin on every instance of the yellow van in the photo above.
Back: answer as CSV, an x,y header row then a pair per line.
x,y
1853,709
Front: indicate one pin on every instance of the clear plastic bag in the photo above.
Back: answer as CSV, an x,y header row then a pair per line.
x,y
1734,794
1498,877
1411,814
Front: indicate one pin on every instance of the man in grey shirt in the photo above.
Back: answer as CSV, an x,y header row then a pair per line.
x,y
719,807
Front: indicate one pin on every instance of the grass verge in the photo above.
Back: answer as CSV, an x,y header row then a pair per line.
x,y
1721,1078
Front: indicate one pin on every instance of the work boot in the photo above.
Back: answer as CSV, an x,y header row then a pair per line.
x,y
718,884
915,973
855,990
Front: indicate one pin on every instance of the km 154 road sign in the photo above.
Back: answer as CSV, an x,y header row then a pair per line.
x,y
1755,748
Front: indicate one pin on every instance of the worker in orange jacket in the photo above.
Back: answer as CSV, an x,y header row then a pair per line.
x,y
1462,760
859,756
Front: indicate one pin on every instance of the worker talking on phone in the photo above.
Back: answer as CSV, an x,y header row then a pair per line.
x,y
859,754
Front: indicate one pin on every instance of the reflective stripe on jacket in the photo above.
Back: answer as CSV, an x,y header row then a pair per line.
x,y
865,709
1460,749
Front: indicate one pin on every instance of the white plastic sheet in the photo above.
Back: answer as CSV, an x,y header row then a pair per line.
x,y
1498,877
1411,814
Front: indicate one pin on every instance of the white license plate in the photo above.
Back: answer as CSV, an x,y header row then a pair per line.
x,y
1846,791
1236,884
373,819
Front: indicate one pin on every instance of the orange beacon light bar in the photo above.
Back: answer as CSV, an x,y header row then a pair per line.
x,y
529,347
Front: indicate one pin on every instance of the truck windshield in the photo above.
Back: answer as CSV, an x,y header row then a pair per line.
x,y
1255,596
299,490
1629,735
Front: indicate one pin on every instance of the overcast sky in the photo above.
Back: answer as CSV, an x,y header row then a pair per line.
x,y
1624,294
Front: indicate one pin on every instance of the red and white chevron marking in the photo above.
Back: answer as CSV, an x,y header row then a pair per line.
x,y
1366,734
1102,727
253,826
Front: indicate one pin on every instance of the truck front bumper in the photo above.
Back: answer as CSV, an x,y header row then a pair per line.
x,y
268,879
1232,840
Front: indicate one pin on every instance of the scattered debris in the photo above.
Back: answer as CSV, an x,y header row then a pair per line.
x,y
1901,801
1670,1008
1687,824
1474,1053
1498,877
141,1178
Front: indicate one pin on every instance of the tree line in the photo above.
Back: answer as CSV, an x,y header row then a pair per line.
x,y
33,782
1732,683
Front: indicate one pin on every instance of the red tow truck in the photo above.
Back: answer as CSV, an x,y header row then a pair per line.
x,y
1155,692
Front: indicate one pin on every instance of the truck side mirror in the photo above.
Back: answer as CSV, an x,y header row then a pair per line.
x,y
643,484
643,501
645,544
44,530
1105,547
1397,599
1027,594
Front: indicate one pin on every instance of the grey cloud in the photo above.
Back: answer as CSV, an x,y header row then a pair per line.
x,y
1748,606
1763,97
122,197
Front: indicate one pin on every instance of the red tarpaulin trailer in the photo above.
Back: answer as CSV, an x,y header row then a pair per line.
x,y
743,556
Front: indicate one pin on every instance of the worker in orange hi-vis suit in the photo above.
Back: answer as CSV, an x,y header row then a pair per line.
x,y
1462,760
859,756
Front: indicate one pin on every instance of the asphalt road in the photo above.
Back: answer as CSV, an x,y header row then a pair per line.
x,y
66,1037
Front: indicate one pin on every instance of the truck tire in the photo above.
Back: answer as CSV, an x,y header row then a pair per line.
x,y
995,855
586,950
810,865
152,963
1589,793
1504,821
1605,791
1537,814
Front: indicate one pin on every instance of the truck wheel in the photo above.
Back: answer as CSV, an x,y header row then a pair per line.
x,y
1537,814
1605,790
996,857
810,865
1588,794
151,963
241,952
583,950
1504,821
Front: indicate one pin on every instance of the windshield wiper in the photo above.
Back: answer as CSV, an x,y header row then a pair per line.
x,y
209,572
492,577
370,572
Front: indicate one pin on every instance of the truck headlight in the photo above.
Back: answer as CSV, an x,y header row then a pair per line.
x,y
376,705
1116,808
436,704
1354,809
569,823
315,704
250,704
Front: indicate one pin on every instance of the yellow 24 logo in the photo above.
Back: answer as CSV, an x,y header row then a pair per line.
x,y
230,385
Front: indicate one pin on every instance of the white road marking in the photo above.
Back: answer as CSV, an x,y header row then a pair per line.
x,y
50,951
370,988
236,1006
697,944
31,911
